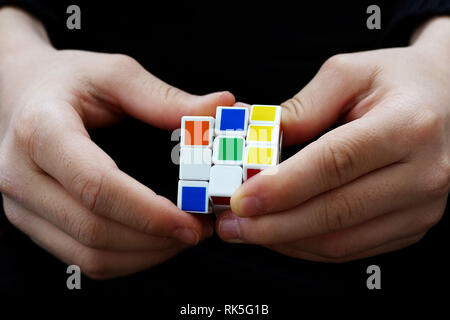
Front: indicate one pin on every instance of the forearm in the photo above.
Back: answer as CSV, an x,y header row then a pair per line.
x,y
20,31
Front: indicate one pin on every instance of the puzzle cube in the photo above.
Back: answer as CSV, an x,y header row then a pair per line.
x,y
197,131
265,114
231,121
193,196
246,142
195,163
223,182
228,150
263,134
258,158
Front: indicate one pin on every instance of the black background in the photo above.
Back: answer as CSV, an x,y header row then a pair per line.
x,y
262,54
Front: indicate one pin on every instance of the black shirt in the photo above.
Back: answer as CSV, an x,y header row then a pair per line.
x,y
263,54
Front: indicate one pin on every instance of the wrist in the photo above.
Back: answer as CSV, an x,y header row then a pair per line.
x,y
434,36
20,33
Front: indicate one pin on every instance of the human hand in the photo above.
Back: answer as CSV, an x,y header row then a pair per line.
x,y
376,183
59,187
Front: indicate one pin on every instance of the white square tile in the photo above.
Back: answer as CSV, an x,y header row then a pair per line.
x,y
224,180
195,163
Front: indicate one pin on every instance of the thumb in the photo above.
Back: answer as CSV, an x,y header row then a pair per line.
x,y
145,97
340,83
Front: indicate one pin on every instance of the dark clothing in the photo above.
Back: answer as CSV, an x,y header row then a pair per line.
x,y
262,54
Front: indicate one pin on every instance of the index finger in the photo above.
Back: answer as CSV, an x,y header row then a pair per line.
x,y
62,148
335,159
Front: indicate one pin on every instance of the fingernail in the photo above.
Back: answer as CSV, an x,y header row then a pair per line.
x,y
250,205
208,230
229,228
187,236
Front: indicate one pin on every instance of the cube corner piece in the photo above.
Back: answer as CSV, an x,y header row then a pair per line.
x,y
197,131
257,158
193,196
231,121
265,114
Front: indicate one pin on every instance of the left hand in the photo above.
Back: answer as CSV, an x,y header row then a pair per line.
x,y
376,183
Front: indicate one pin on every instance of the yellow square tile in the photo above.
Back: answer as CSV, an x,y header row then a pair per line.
x,y
264,113
260,133
258,155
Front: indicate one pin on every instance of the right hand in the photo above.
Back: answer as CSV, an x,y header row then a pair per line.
x,y
58,186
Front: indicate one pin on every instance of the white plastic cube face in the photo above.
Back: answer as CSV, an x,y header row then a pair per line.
x,y
193,196
195,163
258,158
265,114
197,132
263,134
228,150
224,180
231,121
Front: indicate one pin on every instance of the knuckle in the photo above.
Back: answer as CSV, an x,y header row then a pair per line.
x,y
436,183
335,251
13,215
123,62
337,163
296,107
429,219
167,92
337,64
90,233
339,211
89,186
426,125
8,181
25,127
93,264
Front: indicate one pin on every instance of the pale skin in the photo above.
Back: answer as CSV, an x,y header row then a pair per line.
x,y
58,186
375,184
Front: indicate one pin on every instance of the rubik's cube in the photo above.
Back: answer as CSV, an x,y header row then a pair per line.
x,y
216,155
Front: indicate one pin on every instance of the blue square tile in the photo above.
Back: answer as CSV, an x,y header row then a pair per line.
x,y
193,199
232,119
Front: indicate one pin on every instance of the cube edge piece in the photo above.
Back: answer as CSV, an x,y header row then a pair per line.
x,y
198,118
213,181
217,130
184,172
193,183
275,140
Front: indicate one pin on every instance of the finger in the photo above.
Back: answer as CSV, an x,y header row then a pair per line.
x,y
149,99
341,82
385,248
382,191
98,264
337,158
61,147
373,233
50,201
